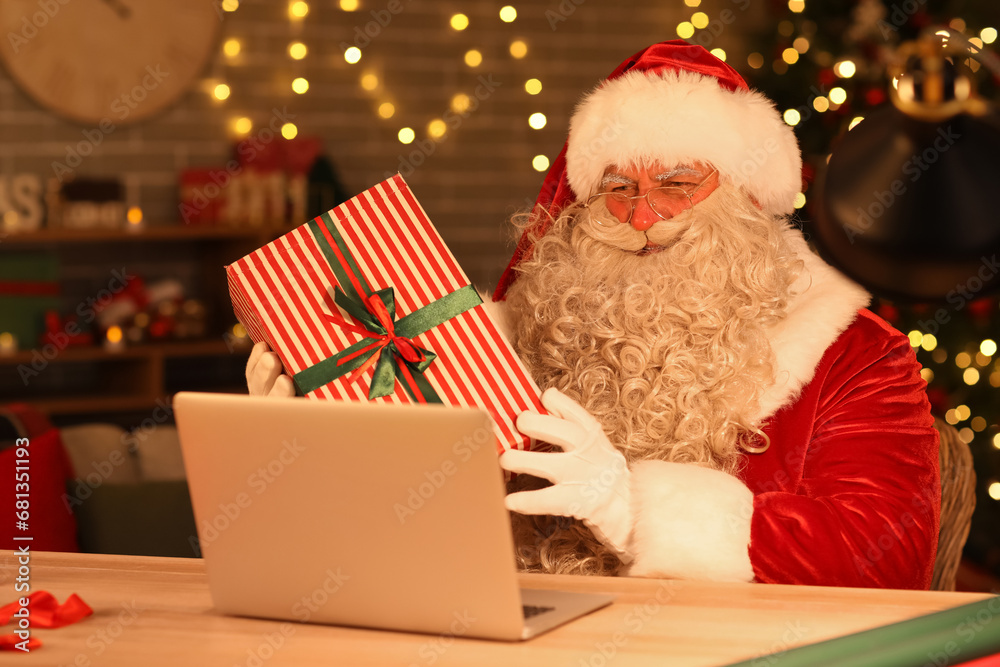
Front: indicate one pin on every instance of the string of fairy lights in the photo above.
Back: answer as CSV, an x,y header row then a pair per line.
x,y
370,82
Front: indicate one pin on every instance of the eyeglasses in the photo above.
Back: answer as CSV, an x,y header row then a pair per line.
x,y
666,202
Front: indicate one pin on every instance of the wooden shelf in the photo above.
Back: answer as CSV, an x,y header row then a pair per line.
x,y
195,348
165,232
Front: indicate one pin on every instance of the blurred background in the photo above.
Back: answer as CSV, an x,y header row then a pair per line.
x,y
146,144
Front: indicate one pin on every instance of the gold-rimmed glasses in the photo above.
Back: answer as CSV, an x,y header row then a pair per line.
x,y
666,202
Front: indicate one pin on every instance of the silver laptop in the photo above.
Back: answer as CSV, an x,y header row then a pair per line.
x,y
370,515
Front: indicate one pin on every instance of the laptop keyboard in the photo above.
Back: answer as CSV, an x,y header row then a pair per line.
x,y
533,610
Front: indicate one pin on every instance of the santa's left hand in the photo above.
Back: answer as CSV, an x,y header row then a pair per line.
x,y
590,477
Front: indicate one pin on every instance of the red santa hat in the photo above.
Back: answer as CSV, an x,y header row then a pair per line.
x,y
671,103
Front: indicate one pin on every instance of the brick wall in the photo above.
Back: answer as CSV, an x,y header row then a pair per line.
x,y
469,181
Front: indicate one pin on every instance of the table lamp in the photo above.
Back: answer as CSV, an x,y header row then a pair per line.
x,y
907,205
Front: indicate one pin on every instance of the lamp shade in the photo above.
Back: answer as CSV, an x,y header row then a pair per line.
x,y
909,207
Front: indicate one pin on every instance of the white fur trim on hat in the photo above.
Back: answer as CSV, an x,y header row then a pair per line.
x,y
675,117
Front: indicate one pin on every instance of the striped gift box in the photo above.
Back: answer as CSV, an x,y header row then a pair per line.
x,y
322,296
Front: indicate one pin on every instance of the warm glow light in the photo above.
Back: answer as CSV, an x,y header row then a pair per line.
x,y
988,347
369,81
114,334
957,24
796,5
915,337
951,417
386,110
963,412
289,131
518,49
699,20
232,47
982,359
821,104
994,490
996,441
685,30
300,85
790,56
978,424
966,435
221,91
230,5
845,69
134,215
242,125
533,86
786,28
927,374
719,53
298,10
838,95
779,67
801,44
800,200
692,3
436,128
349,5
970,376
473,58
406,135
988,35
352,55
792,117
963,359
297,50
239,331
536,121
460,102
540,163
508,14
940,355
755,60
929,342
854,122
459,21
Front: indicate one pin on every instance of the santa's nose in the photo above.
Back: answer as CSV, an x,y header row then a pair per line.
x,y
644,217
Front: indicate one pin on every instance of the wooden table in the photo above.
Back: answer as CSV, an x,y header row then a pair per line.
x,y
157,611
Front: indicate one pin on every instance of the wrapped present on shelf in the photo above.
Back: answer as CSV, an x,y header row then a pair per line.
x,y
28,289
366,302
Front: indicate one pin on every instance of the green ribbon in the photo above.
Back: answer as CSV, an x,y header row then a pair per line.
x,y
399,358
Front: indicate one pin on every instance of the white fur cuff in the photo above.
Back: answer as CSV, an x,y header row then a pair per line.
x,y
690,523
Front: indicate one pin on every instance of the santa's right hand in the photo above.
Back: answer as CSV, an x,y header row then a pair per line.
x,y
265,374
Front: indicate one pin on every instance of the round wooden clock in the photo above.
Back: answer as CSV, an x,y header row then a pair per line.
x,y
117,61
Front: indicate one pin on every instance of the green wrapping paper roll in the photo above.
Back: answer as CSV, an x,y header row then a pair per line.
x,y
947,637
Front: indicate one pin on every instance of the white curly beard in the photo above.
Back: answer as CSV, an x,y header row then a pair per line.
x,y
666,349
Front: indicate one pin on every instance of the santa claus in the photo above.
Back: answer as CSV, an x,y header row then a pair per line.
x,y
721,404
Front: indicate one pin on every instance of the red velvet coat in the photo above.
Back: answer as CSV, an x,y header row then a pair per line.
x,y
847,494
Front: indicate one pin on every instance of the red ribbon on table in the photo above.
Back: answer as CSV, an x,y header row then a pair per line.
x,y
44,611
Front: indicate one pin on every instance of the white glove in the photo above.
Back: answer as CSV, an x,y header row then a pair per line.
x,y
590,477
265,376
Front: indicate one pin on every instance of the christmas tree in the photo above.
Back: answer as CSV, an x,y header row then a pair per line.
x,y
825,65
